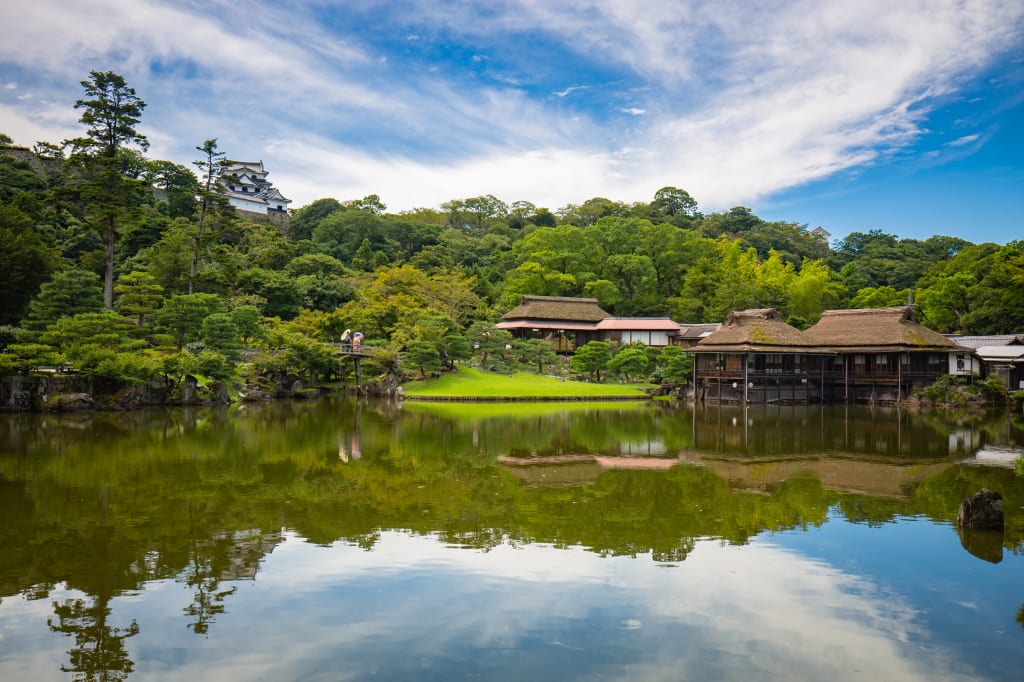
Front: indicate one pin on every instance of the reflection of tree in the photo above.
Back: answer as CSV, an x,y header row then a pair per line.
x,y
202,576
208,600
99,652
1020,615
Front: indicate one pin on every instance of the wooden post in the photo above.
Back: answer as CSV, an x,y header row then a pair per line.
x,y
846,379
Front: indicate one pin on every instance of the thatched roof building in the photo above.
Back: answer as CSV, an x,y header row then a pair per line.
x,y
548,312
757,330
871,330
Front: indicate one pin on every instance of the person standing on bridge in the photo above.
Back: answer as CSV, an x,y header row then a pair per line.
x,y
357,340
346,340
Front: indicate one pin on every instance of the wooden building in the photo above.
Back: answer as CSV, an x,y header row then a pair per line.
x,y
755,357
882,354
650,331
849,356
569,323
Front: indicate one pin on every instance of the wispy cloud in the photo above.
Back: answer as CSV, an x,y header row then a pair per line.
x,y
569,90
965,140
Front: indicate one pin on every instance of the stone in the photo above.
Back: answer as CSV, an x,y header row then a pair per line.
x,y
75,402
255,395
189,390
983,509
220,393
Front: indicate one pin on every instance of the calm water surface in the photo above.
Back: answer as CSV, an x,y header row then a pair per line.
x,y
346,540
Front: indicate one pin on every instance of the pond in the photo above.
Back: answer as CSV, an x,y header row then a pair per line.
x,y
346,539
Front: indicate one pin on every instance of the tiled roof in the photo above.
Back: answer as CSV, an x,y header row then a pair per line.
x,y
638,324
978,341
1000,352
698,331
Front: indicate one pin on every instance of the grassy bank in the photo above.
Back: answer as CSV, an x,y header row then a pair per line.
x,y
467,384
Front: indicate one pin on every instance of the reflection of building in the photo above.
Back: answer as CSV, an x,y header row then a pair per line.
x,y
246,550
861,355
809,431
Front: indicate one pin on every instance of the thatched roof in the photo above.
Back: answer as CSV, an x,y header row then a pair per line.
x,y
557,308
760,329
875,329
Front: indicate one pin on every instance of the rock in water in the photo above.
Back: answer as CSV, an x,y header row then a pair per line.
x,y
983,509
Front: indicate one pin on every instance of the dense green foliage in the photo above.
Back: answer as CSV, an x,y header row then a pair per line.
x,y
93,224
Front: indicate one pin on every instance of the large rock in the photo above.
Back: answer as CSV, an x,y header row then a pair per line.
x,y
74,402
255,395
983,509
189,389
220,393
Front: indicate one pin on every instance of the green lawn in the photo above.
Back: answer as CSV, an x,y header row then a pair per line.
x,y
470,383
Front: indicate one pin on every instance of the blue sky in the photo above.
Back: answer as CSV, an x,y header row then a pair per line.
x,y
901,116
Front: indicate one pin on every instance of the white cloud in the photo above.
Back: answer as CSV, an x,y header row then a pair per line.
x,y
569,90
730,100
965,140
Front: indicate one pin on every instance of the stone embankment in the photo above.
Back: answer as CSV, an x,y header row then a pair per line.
x,y
73,393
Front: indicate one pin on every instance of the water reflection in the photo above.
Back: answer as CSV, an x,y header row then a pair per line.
x,y
226,522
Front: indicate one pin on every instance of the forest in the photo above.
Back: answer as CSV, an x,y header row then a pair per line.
x,y
135,269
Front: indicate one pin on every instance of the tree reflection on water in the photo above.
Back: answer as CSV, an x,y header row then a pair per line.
x,y
105,503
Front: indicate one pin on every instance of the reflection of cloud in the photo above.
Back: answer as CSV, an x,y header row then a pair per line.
x,y
726,612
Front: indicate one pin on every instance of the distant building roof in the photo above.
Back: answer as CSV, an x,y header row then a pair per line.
x,y
638,324
1000,352
873,329
698,331
969,341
